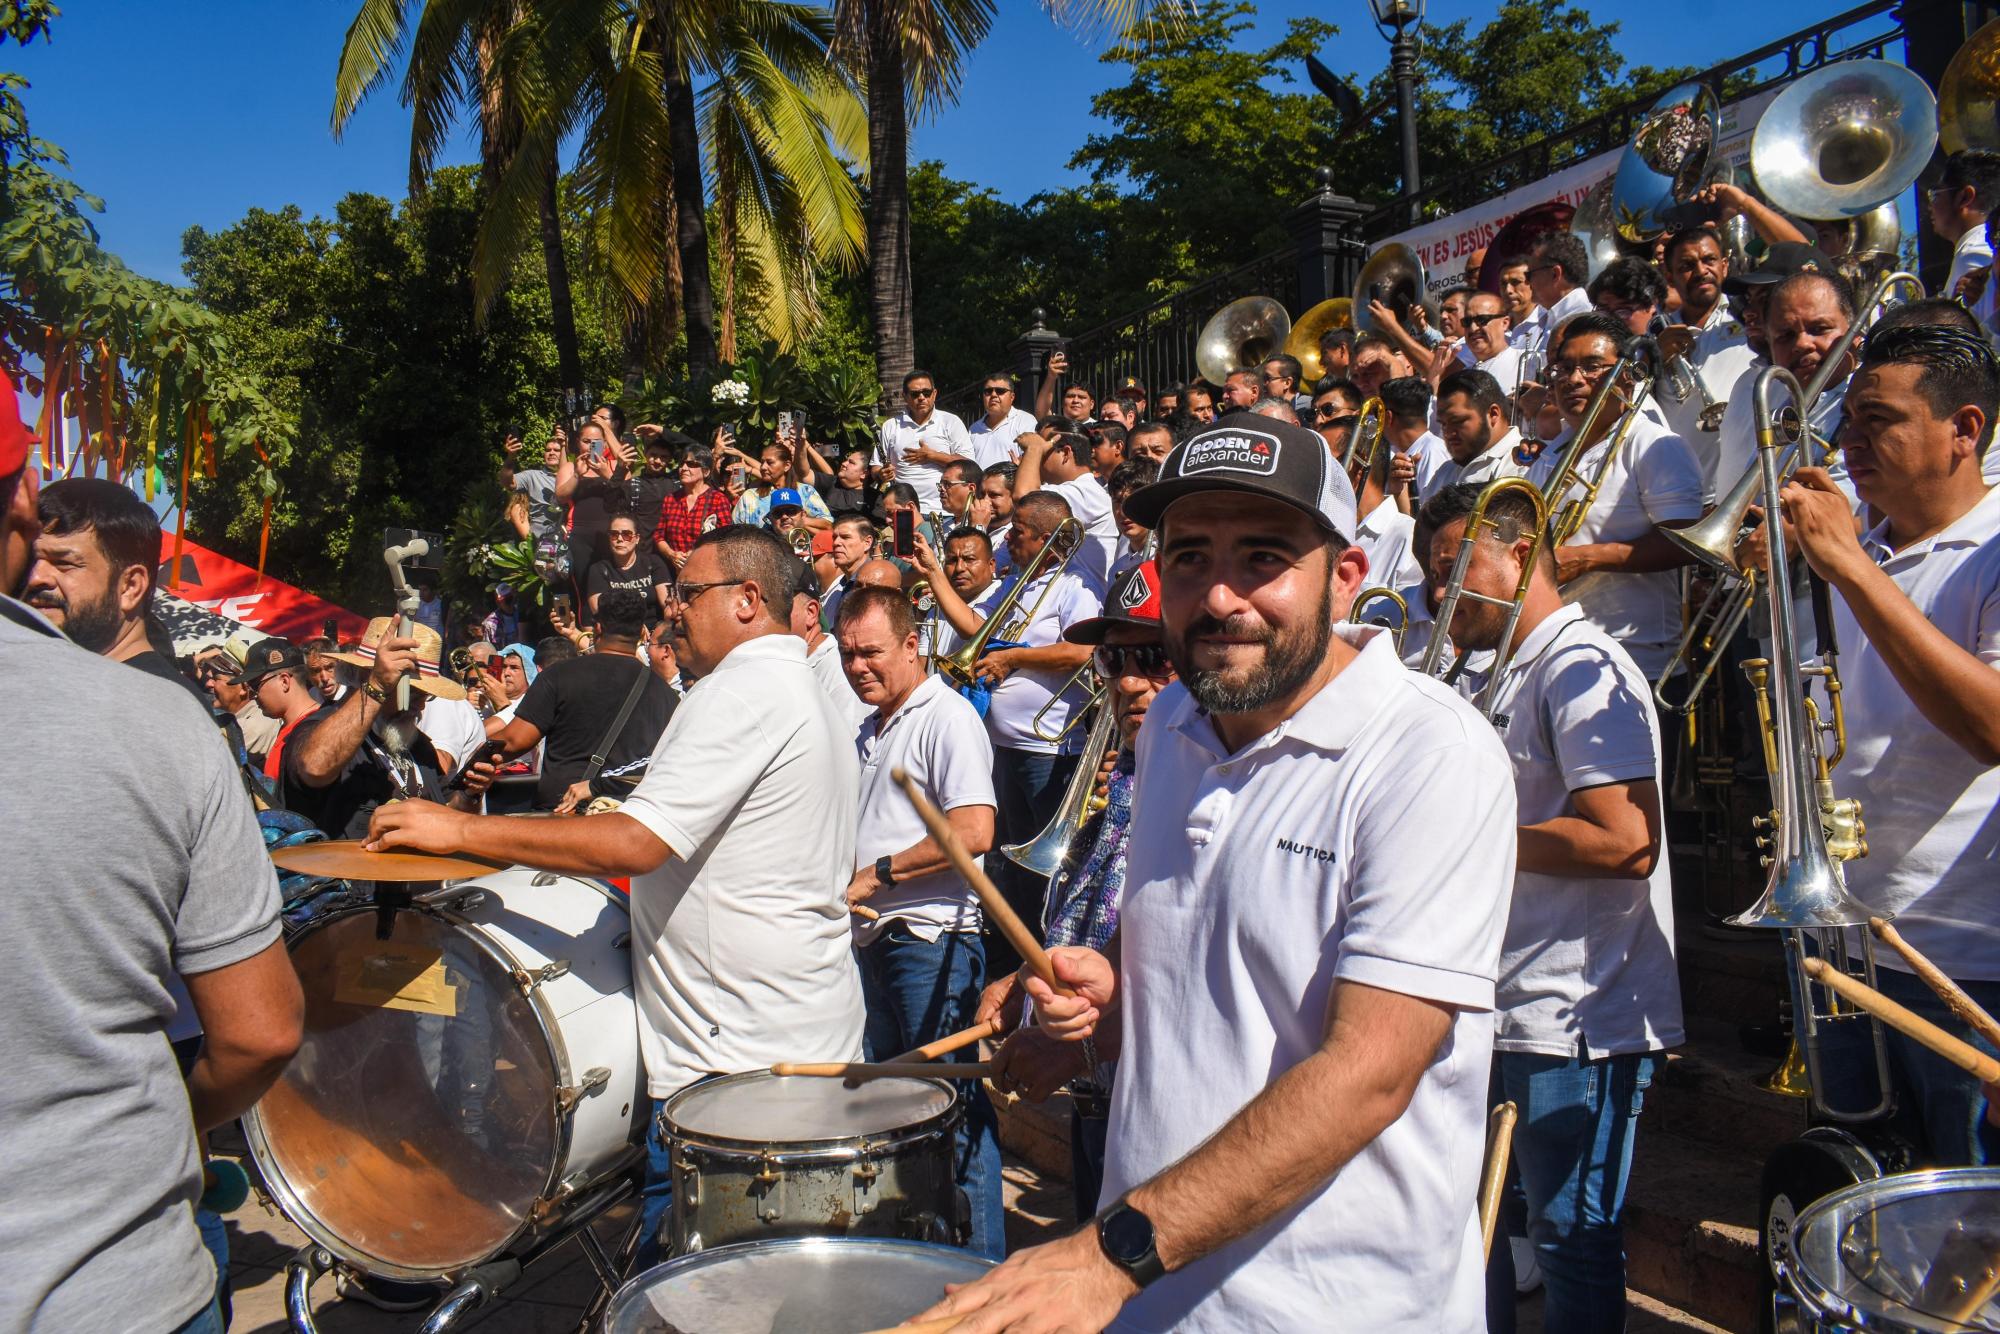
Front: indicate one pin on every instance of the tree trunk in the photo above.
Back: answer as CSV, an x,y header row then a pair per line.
x,y
889,203
562,309
690,227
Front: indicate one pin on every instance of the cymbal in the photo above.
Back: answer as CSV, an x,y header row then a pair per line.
x,y
345,859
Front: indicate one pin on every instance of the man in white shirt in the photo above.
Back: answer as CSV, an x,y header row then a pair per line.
x,y
853,546
1531,322
1383,535
1587,995
921,438
739,842
993,435
1714,344
1956,209
922,964
822,652
1418,452
1618,566
993,509
1556,275
1299,995
1060,462
1472,414
967,566
958,488
1917,616
1486,347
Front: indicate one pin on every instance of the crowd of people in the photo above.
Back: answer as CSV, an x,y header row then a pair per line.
x,y
1329,907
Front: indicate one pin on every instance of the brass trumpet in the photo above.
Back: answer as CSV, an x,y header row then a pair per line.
x,y
1362,444
1455,589
1063,544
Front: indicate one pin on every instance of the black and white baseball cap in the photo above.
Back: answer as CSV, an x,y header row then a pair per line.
x,y
1258,456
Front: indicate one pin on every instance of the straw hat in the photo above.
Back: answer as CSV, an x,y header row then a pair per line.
x,y
430,655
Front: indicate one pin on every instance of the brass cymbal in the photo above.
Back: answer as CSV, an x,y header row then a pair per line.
x,y
345,859
1969,94
1336,312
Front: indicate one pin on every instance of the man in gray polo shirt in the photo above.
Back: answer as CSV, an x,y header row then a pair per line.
x,y
135,856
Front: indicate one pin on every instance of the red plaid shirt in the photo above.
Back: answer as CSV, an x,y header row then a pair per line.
x,y
682,521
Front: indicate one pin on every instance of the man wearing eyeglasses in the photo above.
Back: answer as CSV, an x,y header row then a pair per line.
x,y
922,438
1556,276
993,435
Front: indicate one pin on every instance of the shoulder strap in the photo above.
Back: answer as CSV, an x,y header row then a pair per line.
x,y
596,764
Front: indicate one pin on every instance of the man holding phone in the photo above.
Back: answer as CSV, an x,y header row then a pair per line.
x,y
921,439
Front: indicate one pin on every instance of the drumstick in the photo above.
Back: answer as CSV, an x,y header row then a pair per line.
x,y
1967,1009
997,907
883,1069
951,1042
942,1325
1963,1055
864,912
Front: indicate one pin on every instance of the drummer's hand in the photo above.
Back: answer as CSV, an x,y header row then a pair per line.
x,y
1066,1285
395,658
1035,1065
418,826
574,798
1002,1000
1088,975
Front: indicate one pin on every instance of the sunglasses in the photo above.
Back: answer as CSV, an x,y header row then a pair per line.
x,y
617,536
920,393
1132,660
997,389
1485,319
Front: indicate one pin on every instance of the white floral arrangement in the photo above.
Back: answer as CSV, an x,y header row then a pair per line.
x,y
735,393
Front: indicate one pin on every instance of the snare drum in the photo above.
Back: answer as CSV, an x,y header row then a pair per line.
x,y
839,1285
1917,1253
470,1065
759,1156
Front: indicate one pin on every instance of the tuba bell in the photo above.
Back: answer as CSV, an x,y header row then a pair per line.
x,y
1843,139
1666,164
1246,332
1969,94
1393,275
1302,344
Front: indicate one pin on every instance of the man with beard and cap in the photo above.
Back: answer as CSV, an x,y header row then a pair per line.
x,y
1300,993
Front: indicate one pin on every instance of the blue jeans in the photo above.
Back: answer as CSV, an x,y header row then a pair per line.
x,y
917,991
657,1195
1088,1136
1028,787
208,1320
1573,1153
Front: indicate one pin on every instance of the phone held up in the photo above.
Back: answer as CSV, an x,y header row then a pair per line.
x,y
906,533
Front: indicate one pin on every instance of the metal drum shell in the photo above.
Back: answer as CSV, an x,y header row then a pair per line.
x,y
898,1182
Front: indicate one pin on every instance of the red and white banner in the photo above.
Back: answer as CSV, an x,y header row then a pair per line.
x,y
216,584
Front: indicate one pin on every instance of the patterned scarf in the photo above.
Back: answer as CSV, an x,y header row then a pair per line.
x,y
1083,902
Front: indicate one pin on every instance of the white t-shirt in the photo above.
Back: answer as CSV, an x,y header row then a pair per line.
x,y
1255,882
824,659
454,728
1497,460
1505,367
1929,805
1654,480
1432,456
937,738
1010,713
1970,253
1385,535
943,432
995,444
1528,334
1588,963
949,640
1720,356
1572,303
741,952
1090,505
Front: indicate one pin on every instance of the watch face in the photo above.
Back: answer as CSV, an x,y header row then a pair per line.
x,y
1128,1234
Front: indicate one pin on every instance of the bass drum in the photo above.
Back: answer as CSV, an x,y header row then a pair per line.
x,y
470,1065
1823,1160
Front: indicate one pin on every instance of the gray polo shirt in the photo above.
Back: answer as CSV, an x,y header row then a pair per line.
x,y
131,854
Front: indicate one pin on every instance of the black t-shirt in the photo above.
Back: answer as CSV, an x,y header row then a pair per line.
x,y
647,573
154,663
573,704
343,806
649,494
590,519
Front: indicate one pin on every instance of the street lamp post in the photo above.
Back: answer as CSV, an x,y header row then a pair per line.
x,y
1397,20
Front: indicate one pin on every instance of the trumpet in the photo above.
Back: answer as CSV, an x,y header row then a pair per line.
x,y
1062,545
1395,617
1569,519
1810,832
1455,589
1362,445
1044,853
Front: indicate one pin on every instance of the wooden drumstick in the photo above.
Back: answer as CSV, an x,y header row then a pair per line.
x,y
990,898
1953,995
1913,1026
951,1042
883,1069
864,912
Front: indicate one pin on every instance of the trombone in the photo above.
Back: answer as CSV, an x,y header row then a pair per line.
x,y
1395,617
1810,832
802,543
1569,519
1086,674
1044,853
1063,544
1455,588
1363,443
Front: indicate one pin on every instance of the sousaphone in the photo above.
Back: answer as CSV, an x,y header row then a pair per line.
x,y
1303,344
1393,275
1517,238
1844,139
1592,225
1666,164
1246,332
1969,94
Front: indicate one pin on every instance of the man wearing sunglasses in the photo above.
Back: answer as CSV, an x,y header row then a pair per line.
x,y
920,439
993,435
1487,324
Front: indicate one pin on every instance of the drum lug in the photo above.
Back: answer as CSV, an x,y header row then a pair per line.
x,y
527,979
687,1183
542,1210
866,1174
593,1079
769,1188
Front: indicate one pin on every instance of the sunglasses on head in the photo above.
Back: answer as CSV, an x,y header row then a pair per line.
x,y
1114,661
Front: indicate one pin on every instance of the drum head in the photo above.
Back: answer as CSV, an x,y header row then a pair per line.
x,y
416,1126
762,1108
1919,1251
812,1285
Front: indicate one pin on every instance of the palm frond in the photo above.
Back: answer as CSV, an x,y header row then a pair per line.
x,y
373,43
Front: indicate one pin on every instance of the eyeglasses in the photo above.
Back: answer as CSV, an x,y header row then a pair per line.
x,y
1114,661
617,536
1534,269
687,465
1273,379
1485,319
210,670
919,393
1590,370
683,594
1327,412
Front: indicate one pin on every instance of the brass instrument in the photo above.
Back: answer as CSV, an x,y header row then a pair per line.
x,y
1063,543
1850,135
1969,94
1682,381
1302,344
1455,589
1395,618
1363,442
461,663
1087,673
1810,832
1594,225
1569,519
1246,332
1043,854
1666,164
802,542
1393,275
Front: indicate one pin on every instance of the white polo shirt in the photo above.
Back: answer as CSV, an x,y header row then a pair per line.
x,y
943,432
1529,334
1255,882
1572,303
1588,963
454,727
1654,480
1971,252
1505,367
1736,443
1933,841
824,659
1090,505
1720,356
1384,536
995,444
1432,457
938,739
741,950
949,640
1497,460
1010,713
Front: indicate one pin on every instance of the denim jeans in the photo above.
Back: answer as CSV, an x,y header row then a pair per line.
x,y
1028,786
215,1236
656,1196
1087,1139
917,991
1573,1153
208,1320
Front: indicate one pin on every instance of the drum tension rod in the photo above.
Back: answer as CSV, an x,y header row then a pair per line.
x,y
527,979
593,1079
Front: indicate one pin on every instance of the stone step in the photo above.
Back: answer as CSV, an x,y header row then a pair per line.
x,y
1691,1228
1731,977
1707,1092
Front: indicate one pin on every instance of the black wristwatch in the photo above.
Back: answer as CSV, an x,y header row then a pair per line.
x,y
1126,1237
883,876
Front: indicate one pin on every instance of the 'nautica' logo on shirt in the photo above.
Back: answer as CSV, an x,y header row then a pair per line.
x,y
1305,850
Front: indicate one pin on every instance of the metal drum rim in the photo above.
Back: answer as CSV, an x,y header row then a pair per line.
x,y
702,1259
759,1148
1807,1287
293,1207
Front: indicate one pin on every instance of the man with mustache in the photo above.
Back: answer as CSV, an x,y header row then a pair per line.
x,y
1300,993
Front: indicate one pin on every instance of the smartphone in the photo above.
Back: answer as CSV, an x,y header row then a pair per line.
x,y
491,752
732,431
562,603
906,533
788,425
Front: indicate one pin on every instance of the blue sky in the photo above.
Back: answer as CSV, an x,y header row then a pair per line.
x,y
179,113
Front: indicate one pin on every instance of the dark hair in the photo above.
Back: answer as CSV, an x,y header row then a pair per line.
x,y
1078,386
863,522
1132,474
1256,373
1044,509
1199,387
805,582
961,470
1287,365
991,376
1978,168
1407,397
125,525
1462,289
1843,291
913,376
1596,323
1956,368
970,535
1506,262
1688,236
1566,249
1073,440
1478,386
319,645
1005,469
1338,383
617,415
1364,341
1104,431
621,613
758,556
891,602
904,493
1336,338
1631,280
553,649
1511,516
1945,310
1151,426
783,451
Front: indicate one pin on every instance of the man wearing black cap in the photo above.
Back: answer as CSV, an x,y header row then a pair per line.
x,y
1302,993
1754,287
274,672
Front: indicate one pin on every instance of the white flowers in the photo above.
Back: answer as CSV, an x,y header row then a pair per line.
x,y
733,392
